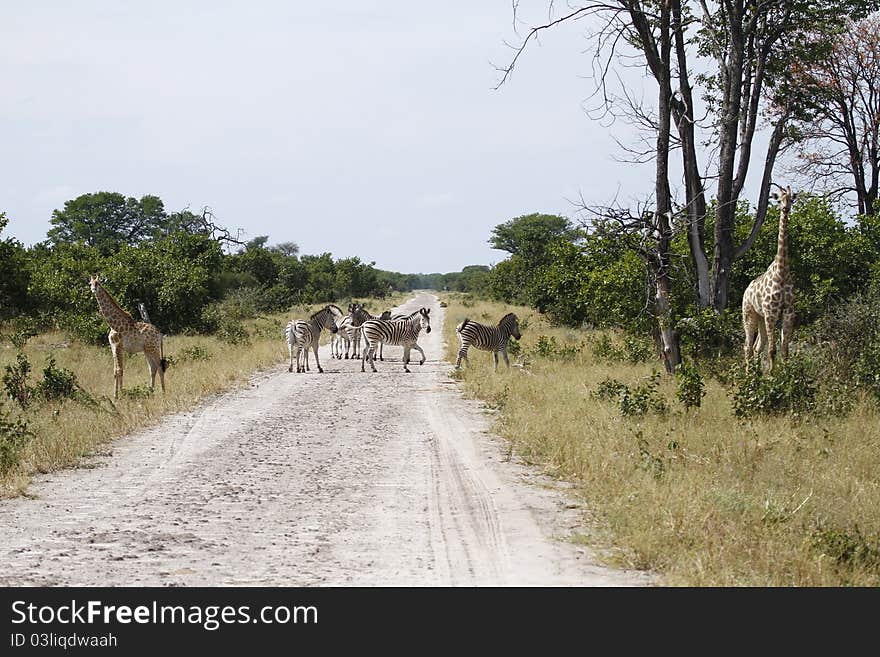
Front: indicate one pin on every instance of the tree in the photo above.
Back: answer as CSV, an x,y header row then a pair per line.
x,y
107,220
839,140
287,249
528,236
752,46
14,276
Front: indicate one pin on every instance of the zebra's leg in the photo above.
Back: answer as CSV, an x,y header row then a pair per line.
x,y
371,351
506,359
364,356
290,352
381,344
495,358
462,353
406,359
416,346
317,362
306,356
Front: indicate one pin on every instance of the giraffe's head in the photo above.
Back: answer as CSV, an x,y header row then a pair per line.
x,y
785,197
94,282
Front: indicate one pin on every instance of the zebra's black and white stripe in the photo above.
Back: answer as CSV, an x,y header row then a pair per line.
x,y
357,314
303,335
402,332
487,338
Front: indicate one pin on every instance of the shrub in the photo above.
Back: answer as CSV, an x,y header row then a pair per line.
x,y
691,389
790,389
867,369
632,402
708,334
196,352
57,383
15,380
635,349
848,548
137,392
14,435
549,347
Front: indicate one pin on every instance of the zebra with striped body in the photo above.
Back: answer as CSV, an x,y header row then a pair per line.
x,y
305,334
402,332
346,333
487,338
358,315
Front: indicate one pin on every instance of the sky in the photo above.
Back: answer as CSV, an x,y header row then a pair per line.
x,y
359,128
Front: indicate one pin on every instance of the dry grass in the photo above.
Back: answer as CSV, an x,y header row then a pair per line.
x,y
698,496
65,432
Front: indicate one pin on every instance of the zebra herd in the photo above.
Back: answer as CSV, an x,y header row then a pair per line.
x,y
378,330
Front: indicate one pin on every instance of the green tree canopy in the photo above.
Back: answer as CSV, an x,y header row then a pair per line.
x,y
107,220
529,235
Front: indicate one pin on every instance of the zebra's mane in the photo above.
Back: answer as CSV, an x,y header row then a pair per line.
x,y
506,316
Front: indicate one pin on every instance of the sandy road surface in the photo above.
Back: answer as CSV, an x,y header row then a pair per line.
x,y
336,479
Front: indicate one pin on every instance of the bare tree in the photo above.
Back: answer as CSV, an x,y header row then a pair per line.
x,y
752,45
839,140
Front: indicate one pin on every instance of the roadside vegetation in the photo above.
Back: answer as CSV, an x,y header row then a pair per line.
x,y
711,477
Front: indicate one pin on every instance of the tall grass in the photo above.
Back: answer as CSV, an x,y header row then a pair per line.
x,y
695,494
200,365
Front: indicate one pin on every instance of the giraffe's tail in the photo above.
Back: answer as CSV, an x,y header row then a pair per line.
x,y
163,362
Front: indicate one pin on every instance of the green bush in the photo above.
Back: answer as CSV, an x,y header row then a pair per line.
x,y
637,401
14,435
635,349
691,389
57,383
790,389
848,548
549,347
707,334
15,381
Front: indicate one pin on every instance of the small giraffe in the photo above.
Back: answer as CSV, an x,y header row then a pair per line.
x,y
770,297
127,335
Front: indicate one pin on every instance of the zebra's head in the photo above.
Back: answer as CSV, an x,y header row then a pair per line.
x,y
511,322
327,317
385,315
355,314
424,319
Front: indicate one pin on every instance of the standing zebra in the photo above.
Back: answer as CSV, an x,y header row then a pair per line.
x,y
358,315
487,338
402,332
302,335
346,333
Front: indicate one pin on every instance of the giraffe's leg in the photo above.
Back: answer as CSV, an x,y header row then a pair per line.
x,y
416,346
118,356
770,333
787,330
153,364
750,327
506,359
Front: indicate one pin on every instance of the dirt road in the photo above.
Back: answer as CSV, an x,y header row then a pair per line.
x,y
345,478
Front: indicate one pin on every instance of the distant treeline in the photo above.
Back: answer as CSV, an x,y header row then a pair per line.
x,y
182,265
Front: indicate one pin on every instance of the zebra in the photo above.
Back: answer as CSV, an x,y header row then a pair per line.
x,y
345,333
358,315
402,332
487,338
302,334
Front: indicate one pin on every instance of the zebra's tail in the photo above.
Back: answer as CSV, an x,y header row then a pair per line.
x,y
461,326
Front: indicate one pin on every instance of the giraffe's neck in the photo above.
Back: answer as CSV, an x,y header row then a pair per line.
x,y
116,317
782,243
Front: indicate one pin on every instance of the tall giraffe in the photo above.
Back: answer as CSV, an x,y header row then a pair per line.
x,y
770,297
127,335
